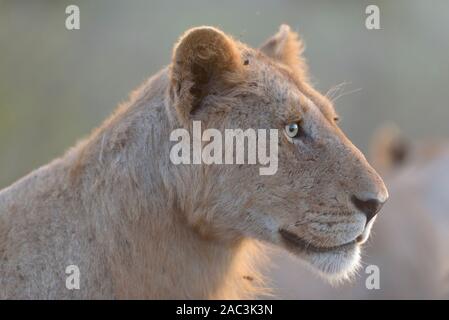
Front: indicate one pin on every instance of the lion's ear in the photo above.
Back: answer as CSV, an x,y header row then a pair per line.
x,y
390,148
287,48
203,59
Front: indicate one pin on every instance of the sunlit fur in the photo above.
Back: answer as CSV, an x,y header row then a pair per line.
x,y
139,226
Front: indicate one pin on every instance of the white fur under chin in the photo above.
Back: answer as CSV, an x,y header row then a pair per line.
x,y
336,267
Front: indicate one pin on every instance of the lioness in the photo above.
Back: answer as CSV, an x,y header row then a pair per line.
x,y
138,226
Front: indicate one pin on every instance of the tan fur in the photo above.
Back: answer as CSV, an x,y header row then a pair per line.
x,y
410,241
285,47
139,226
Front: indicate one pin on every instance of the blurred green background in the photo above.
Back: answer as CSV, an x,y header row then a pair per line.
x,y
57,85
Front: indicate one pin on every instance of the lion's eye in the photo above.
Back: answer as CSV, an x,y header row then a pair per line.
x,y
293,130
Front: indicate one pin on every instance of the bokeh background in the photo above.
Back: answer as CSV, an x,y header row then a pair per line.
x,y
57,85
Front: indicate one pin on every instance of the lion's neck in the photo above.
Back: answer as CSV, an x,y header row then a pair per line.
x,y
173,262
124,173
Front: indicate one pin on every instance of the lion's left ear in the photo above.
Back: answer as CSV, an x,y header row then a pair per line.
x,y
287,48
204,59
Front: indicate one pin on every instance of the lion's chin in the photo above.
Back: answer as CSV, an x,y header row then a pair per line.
x,y
335,266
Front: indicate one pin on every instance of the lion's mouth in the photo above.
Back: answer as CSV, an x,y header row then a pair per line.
x,y
292,240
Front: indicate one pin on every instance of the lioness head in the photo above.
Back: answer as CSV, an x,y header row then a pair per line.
x,y
321,202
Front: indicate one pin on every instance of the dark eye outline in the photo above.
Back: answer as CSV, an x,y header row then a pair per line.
x,y
336,119
300,133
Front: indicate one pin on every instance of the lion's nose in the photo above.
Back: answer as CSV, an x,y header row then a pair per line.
x,y
370,207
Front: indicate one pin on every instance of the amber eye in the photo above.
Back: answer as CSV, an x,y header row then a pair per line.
x,y
293,130
336,119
